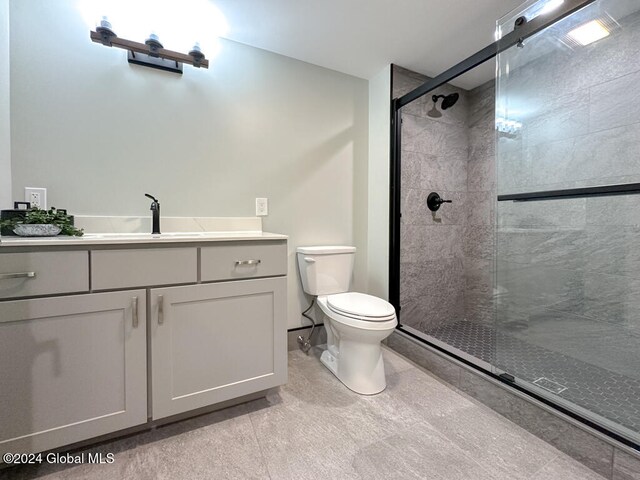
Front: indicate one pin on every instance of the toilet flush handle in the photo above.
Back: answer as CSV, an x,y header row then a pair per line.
x,y
309,260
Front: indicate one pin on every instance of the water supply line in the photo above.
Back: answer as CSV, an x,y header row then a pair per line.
x,y
305,343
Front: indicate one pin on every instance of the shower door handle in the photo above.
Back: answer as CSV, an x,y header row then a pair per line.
x,y
434,201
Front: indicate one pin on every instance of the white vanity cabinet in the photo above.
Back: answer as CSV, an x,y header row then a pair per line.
x,y
71,368
99,337
214,342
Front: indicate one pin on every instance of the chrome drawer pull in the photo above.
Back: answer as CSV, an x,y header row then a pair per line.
x,y
134,308
248,262
5,276
160,310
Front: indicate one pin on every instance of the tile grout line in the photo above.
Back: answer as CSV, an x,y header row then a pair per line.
x,y
558,455
262,455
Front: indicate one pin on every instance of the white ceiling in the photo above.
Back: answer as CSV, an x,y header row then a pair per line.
x,y
360,37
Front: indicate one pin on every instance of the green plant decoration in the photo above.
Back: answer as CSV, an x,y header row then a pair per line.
x,y
50,217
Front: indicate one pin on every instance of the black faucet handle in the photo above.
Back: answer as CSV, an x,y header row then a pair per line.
x,y
434,201
151,197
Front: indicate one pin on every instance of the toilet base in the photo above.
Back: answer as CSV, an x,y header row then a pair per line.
x,y
364,382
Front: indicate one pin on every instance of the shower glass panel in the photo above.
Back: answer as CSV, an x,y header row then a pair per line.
x,y
567,270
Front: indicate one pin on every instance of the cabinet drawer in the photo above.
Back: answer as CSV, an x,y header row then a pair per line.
x,y
43,273
143,267
243,260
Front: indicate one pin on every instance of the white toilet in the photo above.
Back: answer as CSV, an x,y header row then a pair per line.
x,y
356,323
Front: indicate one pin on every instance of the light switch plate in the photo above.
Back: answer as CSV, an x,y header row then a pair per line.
x,y
36,196
262,207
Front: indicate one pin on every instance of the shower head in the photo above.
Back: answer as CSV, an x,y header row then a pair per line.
x,y
434,112
448,101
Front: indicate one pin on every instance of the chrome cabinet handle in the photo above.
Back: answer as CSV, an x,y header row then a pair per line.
x,y
134,308
248,262
160,310
6,276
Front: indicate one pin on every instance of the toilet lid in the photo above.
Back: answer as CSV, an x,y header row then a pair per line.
x,y
361,305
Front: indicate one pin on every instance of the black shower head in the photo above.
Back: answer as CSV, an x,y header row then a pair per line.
x,y
450,100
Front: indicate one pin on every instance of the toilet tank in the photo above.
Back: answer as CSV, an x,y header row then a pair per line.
x,y
326,270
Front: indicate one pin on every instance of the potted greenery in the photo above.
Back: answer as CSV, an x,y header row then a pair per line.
x,y
43,223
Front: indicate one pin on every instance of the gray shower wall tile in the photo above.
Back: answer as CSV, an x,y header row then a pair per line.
x,y
482,105
565,117
598,155
479,295
481,208
424,242
438,286
481,142
613,251
615,103
609,299
433,138
481,174
621,210
523,287
445,173
431,172
479,241
513,169
411,165
626,466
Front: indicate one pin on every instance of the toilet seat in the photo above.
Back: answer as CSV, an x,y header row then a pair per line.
x,y
358,321
361,306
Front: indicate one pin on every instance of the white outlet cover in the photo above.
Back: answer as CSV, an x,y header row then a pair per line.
x,y
262,207
40,192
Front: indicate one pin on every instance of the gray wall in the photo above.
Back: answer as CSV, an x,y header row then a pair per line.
x,y
446,256
98,133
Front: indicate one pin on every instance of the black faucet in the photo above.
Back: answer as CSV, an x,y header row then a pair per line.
x,y
155,208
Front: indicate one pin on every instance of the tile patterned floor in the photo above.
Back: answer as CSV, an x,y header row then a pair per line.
x,y
315,428
606,393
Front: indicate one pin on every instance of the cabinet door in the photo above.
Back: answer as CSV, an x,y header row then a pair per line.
x,y
71,368
215,342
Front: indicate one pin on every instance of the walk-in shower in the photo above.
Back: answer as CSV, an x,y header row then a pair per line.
x,y
532,272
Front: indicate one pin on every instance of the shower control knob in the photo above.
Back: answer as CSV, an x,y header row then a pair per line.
x,y
434,201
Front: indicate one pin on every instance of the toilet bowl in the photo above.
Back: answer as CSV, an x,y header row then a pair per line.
x,y
354,352
355,322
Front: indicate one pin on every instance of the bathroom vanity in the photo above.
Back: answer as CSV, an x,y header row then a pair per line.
x,y
106,332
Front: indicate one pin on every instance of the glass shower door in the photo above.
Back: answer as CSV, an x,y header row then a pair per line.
x,y
567,263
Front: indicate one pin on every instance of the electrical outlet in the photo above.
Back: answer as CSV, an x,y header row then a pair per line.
x,y
37,197
262,207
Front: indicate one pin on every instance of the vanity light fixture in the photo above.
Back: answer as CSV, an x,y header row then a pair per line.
x,y
151,53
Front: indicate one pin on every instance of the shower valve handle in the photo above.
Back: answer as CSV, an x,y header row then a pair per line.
x,y
434,201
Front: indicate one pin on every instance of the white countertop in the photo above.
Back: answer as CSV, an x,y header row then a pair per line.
x,y
136,238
